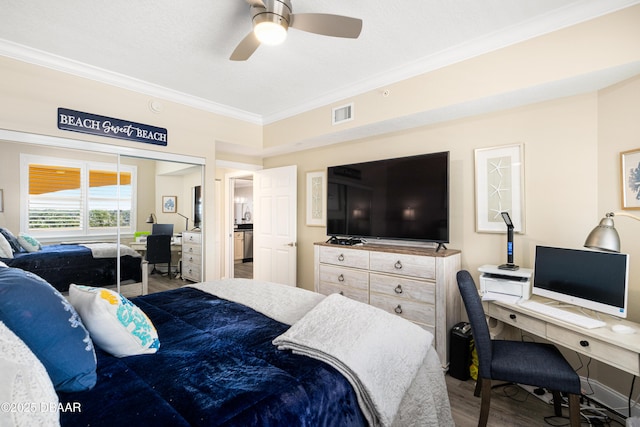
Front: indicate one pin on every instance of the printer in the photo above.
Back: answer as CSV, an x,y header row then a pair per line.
x,y
507,282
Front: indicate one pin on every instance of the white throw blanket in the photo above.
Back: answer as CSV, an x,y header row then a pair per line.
x,y
285,304
379,353
109,250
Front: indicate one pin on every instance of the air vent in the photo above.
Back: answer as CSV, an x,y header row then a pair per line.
x,y
342,114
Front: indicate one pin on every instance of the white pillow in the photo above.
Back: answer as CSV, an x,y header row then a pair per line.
x,y
2,264
29,243
5,248
116,324
24,381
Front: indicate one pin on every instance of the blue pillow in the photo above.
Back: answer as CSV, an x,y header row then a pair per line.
x,y
13,240
49,325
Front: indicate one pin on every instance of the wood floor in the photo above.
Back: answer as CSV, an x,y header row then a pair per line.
x,y
510,405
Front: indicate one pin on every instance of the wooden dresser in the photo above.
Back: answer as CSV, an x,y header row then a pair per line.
x,y
192,256
418,284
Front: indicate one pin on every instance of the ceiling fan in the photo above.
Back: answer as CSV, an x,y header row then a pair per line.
x,y
272,18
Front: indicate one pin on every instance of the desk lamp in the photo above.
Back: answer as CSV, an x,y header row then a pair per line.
x,y
186,228
151,219
509,265
605,237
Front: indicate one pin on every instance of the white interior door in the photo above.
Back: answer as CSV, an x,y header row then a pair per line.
x,y
274,225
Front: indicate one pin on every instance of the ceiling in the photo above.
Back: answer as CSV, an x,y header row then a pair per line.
x,y
179,50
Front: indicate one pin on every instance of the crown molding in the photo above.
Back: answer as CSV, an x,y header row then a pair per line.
x,y
574,14
44,59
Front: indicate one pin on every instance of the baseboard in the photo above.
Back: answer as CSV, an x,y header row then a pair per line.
x,y
608,397
597,392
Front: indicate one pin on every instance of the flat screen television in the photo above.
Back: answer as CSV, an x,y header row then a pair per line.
x,y
589,279
404,198
197,206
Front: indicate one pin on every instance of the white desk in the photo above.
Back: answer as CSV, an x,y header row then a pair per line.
x,y
615,349
142,247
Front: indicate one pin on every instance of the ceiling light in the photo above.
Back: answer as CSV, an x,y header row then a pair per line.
x,y
270,33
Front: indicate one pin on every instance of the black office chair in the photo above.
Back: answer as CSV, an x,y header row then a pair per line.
x,y
531,363
159,251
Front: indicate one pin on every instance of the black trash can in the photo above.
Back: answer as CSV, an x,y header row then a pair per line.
x,y
460,351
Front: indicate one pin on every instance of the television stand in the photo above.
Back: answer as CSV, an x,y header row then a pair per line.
x,y
441,246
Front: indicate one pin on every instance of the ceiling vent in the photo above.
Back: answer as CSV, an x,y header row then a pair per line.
x,y
342,114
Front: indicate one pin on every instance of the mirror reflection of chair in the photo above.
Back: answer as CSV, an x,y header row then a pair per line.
x,y
519,362
159,251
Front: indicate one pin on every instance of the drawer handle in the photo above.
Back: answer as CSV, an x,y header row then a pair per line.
x,y
341,257
584,343
398,309
190,249
341,278
398,289
512,316
398,265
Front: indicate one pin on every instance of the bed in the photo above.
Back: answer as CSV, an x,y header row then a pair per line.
x,y
91,264
240,352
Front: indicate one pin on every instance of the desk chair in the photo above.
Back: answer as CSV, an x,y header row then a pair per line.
x,y
159,251
531,363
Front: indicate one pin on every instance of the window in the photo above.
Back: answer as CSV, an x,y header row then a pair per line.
x,y
76,198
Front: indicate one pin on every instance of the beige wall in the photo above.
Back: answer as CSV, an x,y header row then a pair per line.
x,y
30,96
536,68
572,177
559,138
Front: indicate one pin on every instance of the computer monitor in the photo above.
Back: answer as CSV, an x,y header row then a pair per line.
x,y
589,279
165,229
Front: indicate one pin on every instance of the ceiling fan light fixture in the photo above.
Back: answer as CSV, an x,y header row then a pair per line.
x,y
270,33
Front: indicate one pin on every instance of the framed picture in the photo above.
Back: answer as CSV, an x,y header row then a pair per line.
x,y
316,199
1,200
630,176
169,204
499,188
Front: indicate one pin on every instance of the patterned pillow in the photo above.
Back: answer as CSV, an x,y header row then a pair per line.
x,y
5,248
41,317
116,324
25,381
13,240
29,243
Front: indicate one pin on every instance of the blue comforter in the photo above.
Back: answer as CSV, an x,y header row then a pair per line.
x,y
62,265
216,367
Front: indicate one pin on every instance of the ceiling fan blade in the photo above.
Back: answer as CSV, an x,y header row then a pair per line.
x,y
327,24
256,3
245,48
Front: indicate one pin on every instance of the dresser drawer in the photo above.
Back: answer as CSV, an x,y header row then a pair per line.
x,y
519,320
610,354
191,259
353,293
403,264
195,238
344,277
410,310
191,249
402,288
345,257
191,272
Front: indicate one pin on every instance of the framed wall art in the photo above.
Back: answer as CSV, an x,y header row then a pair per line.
x,y
169,204
499,188
630,179
1,200
316,199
